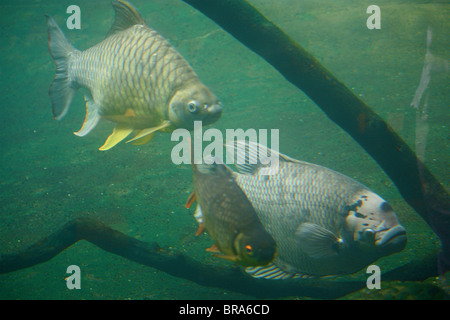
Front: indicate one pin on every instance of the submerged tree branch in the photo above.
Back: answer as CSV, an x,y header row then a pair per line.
x,y
181,266
421,190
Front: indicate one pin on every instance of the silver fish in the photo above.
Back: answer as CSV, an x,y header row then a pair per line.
x,y
323,222
134,78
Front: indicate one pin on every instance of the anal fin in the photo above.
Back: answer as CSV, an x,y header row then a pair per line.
x,y
272,272
92,117
119,133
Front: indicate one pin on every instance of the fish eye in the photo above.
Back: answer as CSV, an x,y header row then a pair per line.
x,y
192,106
368,234
385,207
249,249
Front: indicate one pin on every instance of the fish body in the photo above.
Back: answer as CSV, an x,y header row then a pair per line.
x,y
229,217
323,222
134,77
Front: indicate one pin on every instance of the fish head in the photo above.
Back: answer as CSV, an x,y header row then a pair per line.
x,y
212,166
373,225
194,102
254,248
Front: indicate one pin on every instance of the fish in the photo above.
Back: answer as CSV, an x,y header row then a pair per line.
x,y
323,222
134,78
228,217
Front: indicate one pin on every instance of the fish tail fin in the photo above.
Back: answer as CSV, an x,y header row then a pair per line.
x,y
63,88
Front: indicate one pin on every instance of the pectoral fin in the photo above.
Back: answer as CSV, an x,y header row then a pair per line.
x,y
316,241
148,131
119,133
92,117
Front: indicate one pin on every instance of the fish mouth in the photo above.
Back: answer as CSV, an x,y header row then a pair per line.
x,y
393,239
214,113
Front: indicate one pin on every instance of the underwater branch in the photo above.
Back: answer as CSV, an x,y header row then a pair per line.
x,y
181,266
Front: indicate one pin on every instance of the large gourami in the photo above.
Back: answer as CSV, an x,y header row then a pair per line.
x,y
323,222
134,78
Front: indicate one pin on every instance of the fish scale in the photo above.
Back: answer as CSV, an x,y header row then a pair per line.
x,y
296,196
123,84
293,192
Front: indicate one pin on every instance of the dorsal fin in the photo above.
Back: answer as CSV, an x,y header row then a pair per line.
x,y
248,157
126,17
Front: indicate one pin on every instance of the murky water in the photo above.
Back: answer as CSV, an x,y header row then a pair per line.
x,y
50,176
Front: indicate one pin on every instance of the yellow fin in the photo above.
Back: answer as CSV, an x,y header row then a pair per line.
x,y
148,131
229,258
119,133
143,140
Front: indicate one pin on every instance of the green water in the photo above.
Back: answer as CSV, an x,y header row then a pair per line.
x,y
49,176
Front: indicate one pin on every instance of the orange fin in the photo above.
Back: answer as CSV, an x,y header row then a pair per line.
x,y
200,230
213,248
192,197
